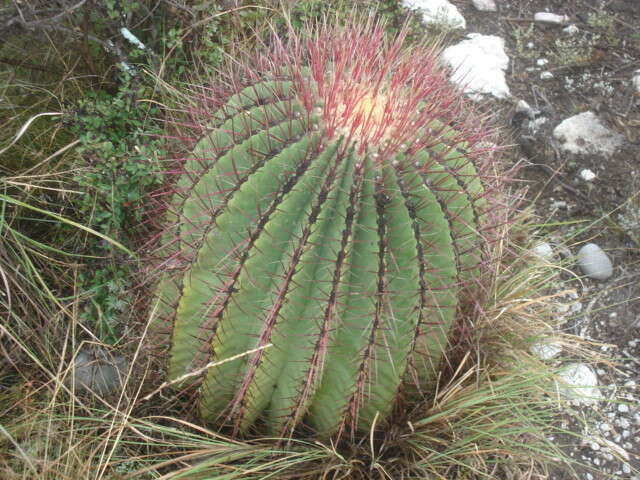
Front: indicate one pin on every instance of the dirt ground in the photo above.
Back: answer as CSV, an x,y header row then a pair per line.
x,y
592,71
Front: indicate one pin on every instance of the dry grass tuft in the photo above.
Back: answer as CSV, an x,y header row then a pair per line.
x,y
491,417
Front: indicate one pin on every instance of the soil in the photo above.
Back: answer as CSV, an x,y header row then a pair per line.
x,y
592,71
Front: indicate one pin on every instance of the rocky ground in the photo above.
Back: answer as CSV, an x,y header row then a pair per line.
x,y
564,77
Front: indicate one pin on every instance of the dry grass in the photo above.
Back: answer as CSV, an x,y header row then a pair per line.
x,y
490,418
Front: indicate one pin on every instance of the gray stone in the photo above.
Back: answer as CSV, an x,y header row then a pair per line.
x,y
96,370
594,262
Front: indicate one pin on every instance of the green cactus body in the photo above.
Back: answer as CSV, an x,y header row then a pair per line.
x,y
313,220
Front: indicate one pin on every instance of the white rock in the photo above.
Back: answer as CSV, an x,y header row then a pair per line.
x,y
584,133
126,33
547,17
439,12
96,370
571,29
594,262
579,383
587,175
546,76
541,62
546,349
535,124
543,250
479,65
623,408
523,107
485,5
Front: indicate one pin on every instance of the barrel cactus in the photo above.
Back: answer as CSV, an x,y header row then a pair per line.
x,y
326,221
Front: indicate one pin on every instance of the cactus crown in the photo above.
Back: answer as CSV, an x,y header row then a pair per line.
x,y
332,210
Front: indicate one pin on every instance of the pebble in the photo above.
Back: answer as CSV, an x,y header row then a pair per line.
x,y
523,107
579,384
623,423
546,76
584,133
635,80
548,17
587,175
438,12
541,62
594,262
623,408
479,64
571,29
97,370
605,427
543,250
546,349
485,5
